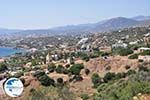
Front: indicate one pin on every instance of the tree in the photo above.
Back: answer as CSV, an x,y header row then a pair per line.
x,y
123,51
38,74
77,78
146,52
60,81
34,63
46,81
142,68
85,57
120,75
51,68
130,72
84,96
60,69
134,56
87,71
109,76
3,67
76,68
127,67
96,80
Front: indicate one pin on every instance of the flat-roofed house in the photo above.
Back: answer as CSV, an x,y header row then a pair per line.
x,y
143,49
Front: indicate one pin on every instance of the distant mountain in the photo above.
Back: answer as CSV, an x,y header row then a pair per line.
x,y
141,18
7,31
115,23
105,25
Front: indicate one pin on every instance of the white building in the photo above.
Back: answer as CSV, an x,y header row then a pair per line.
x,y
119,44
132,43
143,49
82,41
48,58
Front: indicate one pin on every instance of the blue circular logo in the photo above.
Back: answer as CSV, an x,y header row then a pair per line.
x,y
13,87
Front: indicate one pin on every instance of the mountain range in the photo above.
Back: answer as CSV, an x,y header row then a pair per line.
x,y
105,25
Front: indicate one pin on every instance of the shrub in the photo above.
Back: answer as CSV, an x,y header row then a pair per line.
x,y
108,68
67,66
32,90
19,74
76,68
120,75
60,81
51,68
60,69
77,78
46,81
3,67
130,72
134,56
142,68
96,80
84,96
85,57
127,67
87,71
105,54
146,52
123,51
66,71
38,74
140,60
34,62
109,76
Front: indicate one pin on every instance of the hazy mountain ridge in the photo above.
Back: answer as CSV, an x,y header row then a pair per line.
x,y
6,31
141,18
105,25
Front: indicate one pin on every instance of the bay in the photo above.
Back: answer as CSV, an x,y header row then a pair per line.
x,y
7,51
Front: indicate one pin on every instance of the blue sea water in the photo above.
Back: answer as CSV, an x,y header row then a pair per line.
x,y
6,51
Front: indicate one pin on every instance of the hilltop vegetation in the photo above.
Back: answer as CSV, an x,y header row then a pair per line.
x,y
123,86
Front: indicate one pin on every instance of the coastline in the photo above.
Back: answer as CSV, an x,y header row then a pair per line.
x,y
6,52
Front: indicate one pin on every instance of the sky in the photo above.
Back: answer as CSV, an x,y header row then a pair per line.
x,y
42,14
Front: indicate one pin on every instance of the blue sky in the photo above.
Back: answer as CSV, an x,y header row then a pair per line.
x,y
34,14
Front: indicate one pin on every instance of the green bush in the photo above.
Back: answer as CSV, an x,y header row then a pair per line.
x,y
3,67
104,54
142,68
109,76
51,93
60,69
96,80
134,56
120,75
85,57
146,52
76,68
46,81
140,60
39,74
130,72
122,90
51,68
77,78
19,74
84,96
122,51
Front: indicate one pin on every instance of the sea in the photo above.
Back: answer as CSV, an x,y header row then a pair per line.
x,y
7,51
